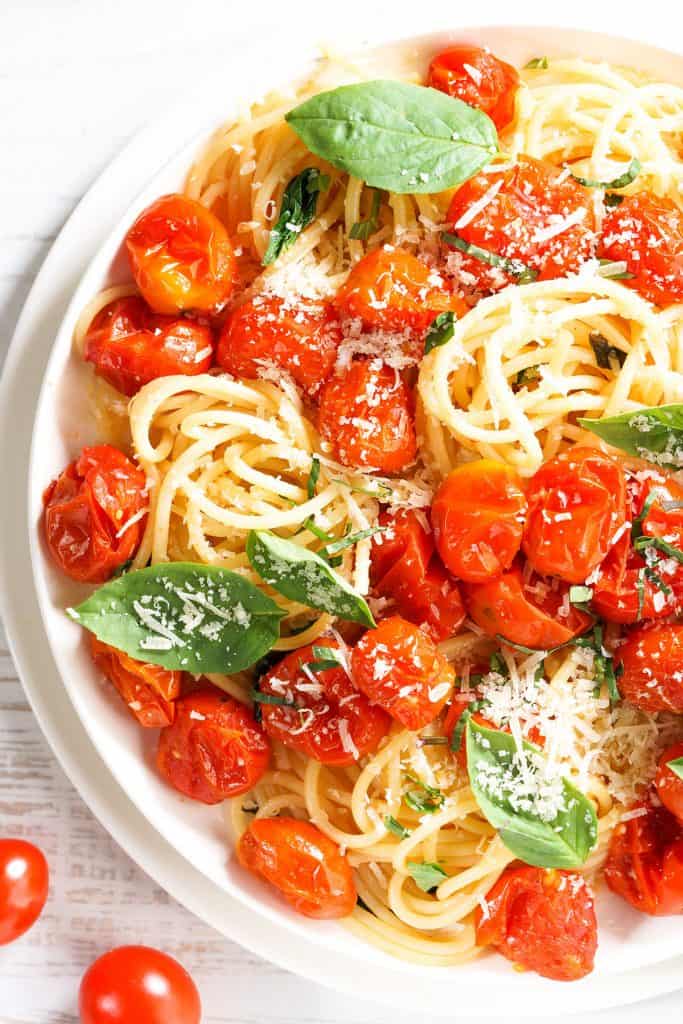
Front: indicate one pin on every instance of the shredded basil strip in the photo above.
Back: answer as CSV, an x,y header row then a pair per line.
x,y
396,827
460,725
655,434
536,62
613,199
325,658
297,210
659,544
335,546
362,229
515,268
313,477
529,375
382,493
271,698
676,766
425,799
441,330
629,175
606,355
427,875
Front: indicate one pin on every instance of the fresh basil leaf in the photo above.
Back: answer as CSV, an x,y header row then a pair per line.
x,y
613,199
457,734
529,375
397,828
606,356
527,821
537,62
516,269
271,698
441,330
335,546
297,210
629,175
362,229
497,662
303,576
426,875
395,136
183,615
676,766
423,801
313,477
655,434
659,544
325,658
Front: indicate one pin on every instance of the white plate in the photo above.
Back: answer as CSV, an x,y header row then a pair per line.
x,y
193,861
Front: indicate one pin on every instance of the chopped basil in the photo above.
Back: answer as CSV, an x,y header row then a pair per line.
x,y
457,734
362,229
614,270
613,199
522,648
432,741
676,766
271,698
515,268
313,477
603,665
297,210
335,546
426,875
654,495
629,175
325,658
382,491
606,356
655,434
659,544
529,375
441,330
537,62
425,799
396,827
497,662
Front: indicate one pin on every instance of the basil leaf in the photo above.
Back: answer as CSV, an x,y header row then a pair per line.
x,y
536,62
395,136
325,657
313,477
529,375
457,734
613,199
614,270
670,550
441,330
606,355
303,576
382,491
426,799
676,766
655,434
183,615
297,210
515,268
629,175
396,827
271,698
335,546
362,229
523,819
427,875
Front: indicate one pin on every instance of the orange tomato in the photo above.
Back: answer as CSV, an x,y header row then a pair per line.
x,y
652,661
479,79
670,785
646,232
148,691
645,862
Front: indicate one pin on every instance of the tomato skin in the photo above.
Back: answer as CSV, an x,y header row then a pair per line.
x,y
148,691
24,883
302,340
395,657
130,345
181,256
646,231
215,748
543,920
645,862
87,506
376,432
491,88
652,662
669,785
478,515
303,863
138,985
589,487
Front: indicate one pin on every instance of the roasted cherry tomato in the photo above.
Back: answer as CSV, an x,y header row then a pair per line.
x,y
267,331
24,880
331,720
181,256
366,414
536,613
94,514
458,706
478,517
214,749
577,504
394,290
652,661
537,217
130,345
476,77
138,985
646,232
401,669
148,691
645,862
669,783
303,863
543,920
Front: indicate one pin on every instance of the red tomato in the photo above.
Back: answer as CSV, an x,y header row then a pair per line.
x,y
181,256
478,78
478,516
542,920
645,862
652,662
536,613
646,231
24,881
138,985
394,290
519,220
148,691
332,721
366,414
269,331
91,515
303,863
400,668
454,713
130,346
669,784
215,748
577,503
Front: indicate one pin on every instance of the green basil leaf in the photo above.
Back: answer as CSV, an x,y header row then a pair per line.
x,y
537,62
515,268
629,175
335,546
396,827
457,734
362,229
325,658
676,766
381,491
561,839
614,270
297,210
427,875
441,330
655,434
426,799
658,544
303,576
313,477
606,356
529,375
395,136
271,698
183,615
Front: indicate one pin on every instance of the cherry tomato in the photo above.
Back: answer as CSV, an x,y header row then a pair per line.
x,y
130,346
454,713
669,784
302,863
645,862
646,232
652,662
478,78
214,749
148,691
543,920
478,516
138,985
520,222
401,669
94,514
577,503
181,256
24,881
367,417
394,290
267,331
535,613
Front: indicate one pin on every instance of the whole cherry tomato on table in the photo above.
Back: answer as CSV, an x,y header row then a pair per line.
x,y
651,659
479,79
24,881
645,862
148,691
646,232
138,985
669,783
94,514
